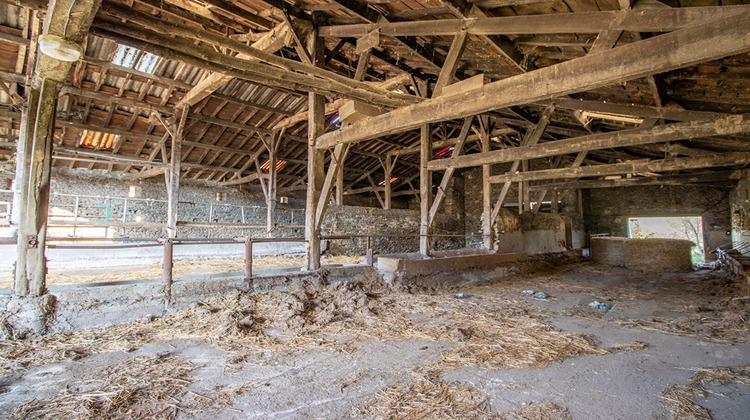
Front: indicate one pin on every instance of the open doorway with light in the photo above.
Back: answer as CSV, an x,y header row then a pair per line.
x,y
683,227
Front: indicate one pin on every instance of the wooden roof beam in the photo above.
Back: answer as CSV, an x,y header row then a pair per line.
x,y
630,167
648,20
661,53
733,124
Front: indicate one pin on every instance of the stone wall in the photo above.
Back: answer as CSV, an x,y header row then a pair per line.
x,y
472,179
102,198
607,210
739,202
394,231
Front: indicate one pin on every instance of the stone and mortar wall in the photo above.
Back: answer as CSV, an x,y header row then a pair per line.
x,y
607,210
739,202
472,179
198,204
396,230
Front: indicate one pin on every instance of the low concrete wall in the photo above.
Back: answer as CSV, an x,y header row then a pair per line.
x,y
643,254
101,304
417,270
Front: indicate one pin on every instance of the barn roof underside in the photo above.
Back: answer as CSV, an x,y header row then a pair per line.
x,y
117,99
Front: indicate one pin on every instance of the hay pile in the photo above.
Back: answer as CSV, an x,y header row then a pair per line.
x,y
679,397
312,314
141,387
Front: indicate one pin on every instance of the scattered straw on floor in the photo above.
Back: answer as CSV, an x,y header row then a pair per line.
x,y
429,397
679,398
313,315
140,387
426,398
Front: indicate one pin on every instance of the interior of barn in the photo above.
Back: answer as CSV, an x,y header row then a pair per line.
x,y
512,209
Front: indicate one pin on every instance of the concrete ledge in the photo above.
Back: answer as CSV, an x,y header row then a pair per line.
x,y
415,269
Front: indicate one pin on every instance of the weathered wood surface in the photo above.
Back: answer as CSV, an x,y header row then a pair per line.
x,y
654,55
732,124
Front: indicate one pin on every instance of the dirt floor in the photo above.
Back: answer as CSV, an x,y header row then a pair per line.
x,y
58,276
672,346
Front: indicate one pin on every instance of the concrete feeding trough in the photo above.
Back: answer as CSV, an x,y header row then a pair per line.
x,y
414,268
643,254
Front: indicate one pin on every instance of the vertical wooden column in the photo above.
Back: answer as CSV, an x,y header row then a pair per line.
x,y
315,161
388,168
271,190
31,264
486,193
23,154
175,166
340,187
520,197
525,188
555,201
425,189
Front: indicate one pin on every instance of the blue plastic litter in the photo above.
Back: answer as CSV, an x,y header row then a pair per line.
x,y
596,305
527,292
461,295
541,295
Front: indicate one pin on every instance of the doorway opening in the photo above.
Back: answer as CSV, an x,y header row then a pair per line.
x,y
684,227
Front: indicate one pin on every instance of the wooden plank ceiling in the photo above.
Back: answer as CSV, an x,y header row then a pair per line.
x,y
143,57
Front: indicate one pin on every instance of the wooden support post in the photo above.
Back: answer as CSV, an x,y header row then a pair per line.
x,y
271,190
315,160
173,174
248,260
22,200
487,220
31,265
425,189
368,255
388,193
166,276
555,201
520,197
340,187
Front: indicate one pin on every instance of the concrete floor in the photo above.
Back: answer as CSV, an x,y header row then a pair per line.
x,y
331,384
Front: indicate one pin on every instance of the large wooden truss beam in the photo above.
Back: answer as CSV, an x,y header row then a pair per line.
x,y
654,55
631,167
733,124
650,20
685,179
